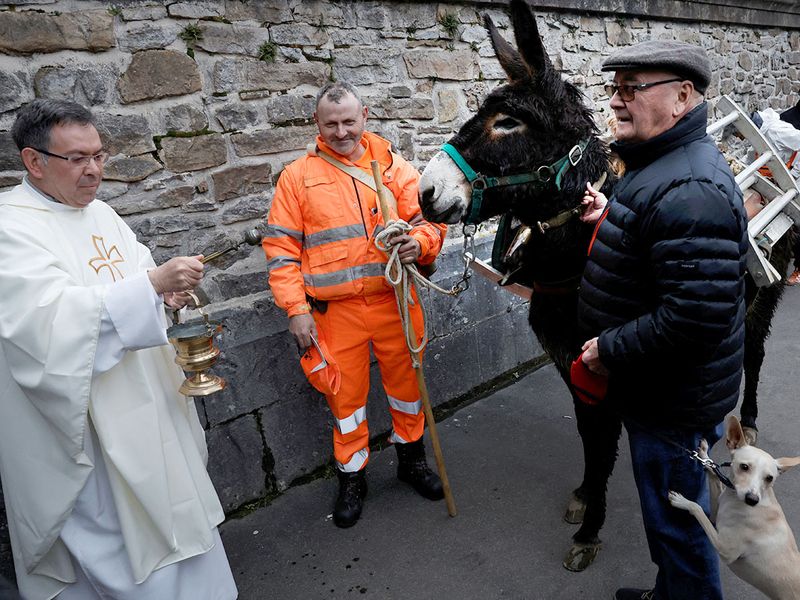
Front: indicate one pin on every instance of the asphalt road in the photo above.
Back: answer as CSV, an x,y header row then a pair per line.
x,y
513,458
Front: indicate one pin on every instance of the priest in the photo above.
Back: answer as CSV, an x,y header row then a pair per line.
x,y
103,463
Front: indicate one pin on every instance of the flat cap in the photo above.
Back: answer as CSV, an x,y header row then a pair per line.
x,y
685,60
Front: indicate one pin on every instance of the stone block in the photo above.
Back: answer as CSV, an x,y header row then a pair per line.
x,y
288,108
181,154
29,31
298,34
197,9
358,57
151,12
15,89
131,204
184,117
156,74
241,181
371,14
457,65
235,282
9,181
9,153
382,107
232,75
266,371
274,11
236,461
131,168
221,38
243,209
413,15
354,37
272,141
147,36
83,83
124,134
297,431
451,366
320,14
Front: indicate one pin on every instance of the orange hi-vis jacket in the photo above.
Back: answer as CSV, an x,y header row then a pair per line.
x,y
320,240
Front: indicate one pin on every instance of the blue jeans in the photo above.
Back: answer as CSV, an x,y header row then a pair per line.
x,y
688,565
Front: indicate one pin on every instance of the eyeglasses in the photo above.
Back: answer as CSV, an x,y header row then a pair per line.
x,y
627,91
79,160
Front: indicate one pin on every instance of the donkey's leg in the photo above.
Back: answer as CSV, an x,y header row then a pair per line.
x,y
599,429
761,309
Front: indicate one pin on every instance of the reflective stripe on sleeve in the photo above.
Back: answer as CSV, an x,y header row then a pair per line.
x,y
410,408
355,464
351,423
282,261
320,280
335,234
276,231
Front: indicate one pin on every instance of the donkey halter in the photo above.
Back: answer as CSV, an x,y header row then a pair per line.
x,y
542,177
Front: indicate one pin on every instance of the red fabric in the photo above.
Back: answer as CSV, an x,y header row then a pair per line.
x,y
321,368
589,387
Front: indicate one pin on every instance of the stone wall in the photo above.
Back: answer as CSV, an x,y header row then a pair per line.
x,y
202,103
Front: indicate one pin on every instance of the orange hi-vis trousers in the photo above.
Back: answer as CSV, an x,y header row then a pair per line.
x,y
348,327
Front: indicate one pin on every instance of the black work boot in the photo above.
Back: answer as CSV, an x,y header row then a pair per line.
x,y
352,491
413,469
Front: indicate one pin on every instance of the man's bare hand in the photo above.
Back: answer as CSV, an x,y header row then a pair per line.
x,y
302,327
593,204
178,274
409,248
591,357
177,300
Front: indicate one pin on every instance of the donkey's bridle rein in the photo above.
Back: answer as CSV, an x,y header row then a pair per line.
x,y
541,177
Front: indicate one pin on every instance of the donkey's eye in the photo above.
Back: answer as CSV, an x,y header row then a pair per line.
x,y
744,467
506,124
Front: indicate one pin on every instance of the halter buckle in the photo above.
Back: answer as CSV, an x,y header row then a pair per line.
x,y
575,155
479,183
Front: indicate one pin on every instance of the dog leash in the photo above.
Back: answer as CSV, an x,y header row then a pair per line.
x,y
707,462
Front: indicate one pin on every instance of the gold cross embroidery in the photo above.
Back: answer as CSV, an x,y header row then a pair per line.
x,y
104,258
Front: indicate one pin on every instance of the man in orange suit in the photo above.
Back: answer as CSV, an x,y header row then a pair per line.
x,y
328,276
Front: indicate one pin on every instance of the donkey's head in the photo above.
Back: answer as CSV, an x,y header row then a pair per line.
x,y
524,128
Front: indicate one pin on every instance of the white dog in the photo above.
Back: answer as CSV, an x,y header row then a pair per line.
x,y
752,535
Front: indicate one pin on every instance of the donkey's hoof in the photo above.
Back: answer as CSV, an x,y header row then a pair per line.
x,y
575,511
581,556
750,435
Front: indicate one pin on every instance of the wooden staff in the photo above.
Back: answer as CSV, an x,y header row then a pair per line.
x,y
388,211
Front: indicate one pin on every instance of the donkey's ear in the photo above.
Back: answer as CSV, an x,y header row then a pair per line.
x,y
509,58
784,464
527,36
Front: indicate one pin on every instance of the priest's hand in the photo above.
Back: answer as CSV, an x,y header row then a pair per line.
x,y
177,300
409,250
302,327
591,357
177,274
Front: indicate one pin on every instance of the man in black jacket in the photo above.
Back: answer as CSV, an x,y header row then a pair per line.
x,y
662,298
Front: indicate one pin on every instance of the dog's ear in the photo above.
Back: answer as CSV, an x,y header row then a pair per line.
x,y
734,436
784,464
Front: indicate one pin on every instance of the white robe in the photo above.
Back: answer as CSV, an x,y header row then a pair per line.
x,y
60,269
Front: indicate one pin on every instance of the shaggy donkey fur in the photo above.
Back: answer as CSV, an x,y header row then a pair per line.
x,y
534,120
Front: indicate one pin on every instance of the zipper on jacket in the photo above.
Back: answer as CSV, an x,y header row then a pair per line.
x,y
360,208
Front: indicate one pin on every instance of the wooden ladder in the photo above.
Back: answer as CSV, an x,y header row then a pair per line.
x,y
781,193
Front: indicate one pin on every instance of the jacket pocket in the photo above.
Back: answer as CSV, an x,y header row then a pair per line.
x,y
318,257
324,199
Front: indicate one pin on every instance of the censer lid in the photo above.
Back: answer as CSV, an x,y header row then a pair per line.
x,y
185,331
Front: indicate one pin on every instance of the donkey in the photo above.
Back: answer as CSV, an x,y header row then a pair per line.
x,y
536,145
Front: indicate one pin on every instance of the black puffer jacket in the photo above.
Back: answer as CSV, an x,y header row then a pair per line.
x,y
664,284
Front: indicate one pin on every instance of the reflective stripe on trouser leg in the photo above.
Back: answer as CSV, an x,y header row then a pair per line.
x,y
397,373
348,342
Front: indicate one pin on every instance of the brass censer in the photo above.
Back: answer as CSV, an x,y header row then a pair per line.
x,y
196,353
